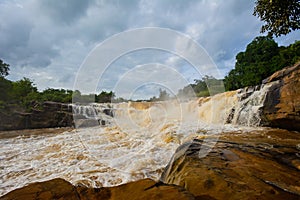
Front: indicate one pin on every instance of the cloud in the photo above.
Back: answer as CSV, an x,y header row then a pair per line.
x,y
63,12
48,40
150,77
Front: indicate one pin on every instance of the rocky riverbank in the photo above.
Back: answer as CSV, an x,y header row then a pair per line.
x,y
48,115
258,164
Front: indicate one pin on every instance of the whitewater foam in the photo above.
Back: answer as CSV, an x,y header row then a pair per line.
x,y
137,143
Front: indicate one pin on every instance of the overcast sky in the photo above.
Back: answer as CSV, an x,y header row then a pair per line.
x,y
48,40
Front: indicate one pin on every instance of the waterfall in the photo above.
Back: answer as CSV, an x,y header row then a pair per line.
x,y
239,107
98,114
248,110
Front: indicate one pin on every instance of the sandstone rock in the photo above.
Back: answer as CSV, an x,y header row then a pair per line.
x,y
51,115
61,189
282,104
235,170
53,189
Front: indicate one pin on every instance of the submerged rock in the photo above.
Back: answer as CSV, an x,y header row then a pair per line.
x,y
61,189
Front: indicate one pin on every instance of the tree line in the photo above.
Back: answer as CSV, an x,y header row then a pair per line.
x,y
24,94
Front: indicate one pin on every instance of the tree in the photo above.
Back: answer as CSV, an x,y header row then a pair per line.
x,y
5,88
4,68
105,97
57,95
281,16
23,87
24,93
261,59
254,64
163,95
204,87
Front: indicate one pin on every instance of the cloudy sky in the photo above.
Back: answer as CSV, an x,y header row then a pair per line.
x,y
48,40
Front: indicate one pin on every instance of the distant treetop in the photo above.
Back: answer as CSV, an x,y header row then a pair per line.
x,y
4,68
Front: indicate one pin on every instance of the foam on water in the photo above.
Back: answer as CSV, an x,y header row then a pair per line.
x,y
138,143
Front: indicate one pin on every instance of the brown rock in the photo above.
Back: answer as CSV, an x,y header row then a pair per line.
x,y
282,104
53,189
51,115
61,189
142,189
235,170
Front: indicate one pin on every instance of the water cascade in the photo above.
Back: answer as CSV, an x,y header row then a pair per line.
x,y
136,140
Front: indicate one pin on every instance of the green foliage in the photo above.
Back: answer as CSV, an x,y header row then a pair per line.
x,y
57,95
281,16
24,93
5,88
207,86
204,93
4,68
22,88
261,59
105,97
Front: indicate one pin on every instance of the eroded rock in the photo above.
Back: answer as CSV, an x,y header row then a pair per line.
x,y
282,104
50,115
61,189
237,168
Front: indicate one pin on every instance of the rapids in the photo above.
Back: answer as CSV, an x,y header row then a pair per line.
x,y
137,141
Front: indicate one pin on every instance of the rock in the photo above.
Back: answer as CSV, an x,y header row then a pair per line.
x,y
61,189
235,170
109,112
51,115
53,189
282,103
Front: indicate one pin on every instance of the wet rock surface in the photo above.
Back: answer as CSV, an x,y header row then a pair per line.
x,y
61,189
258,165
282,104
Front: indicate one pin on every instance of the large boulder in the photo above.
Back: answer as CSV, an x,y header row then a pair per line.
x,y
61,189
237,170
282,104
